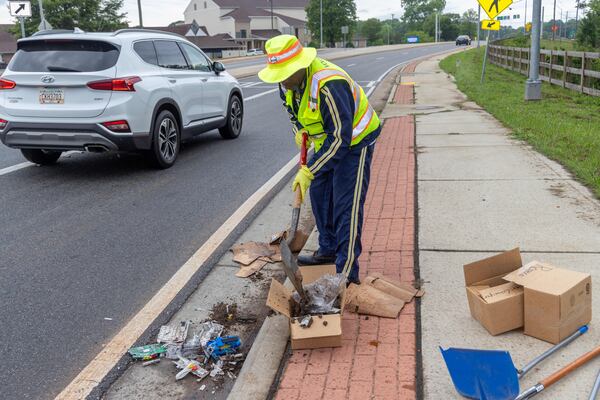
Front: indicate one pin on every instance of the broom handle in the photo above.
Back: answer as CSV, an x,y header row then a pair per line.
x,y
558,375
596,388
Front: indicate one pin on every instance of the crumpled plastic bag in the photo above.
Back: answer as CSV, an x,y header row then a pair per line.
x,y
323,293
208,331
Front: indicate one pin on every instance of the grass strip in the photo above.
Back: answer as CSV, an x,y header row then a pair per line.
x,y
565,125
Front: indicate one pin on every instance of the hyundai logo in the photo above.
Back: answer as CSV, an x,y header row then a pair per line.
x,y
47,79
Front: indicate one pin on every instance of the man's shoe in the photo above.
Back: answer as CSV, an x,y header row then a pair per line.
x,y
355,281
315,259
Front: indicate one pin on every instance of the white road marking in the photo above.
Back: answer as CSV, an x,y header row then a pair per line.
x,y
101,365
250,84
379,58
370,84
14,168
256,96
351,65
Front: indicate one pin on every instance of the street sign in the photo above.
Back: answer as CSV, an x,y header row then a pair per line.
x,y
44,25
554,28
494,7
20,8
528,27
490,25
344,30
412,39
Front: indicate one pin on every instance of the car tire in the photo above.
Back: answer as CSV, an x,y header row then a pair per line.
x,y
41,157
166,140
235,119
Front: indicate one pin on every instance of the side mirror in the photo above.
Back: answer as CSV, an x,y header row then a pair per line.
x,y
218,67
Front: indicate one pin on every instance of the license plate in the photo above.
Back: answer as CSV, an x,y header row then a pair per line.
x,y
52,96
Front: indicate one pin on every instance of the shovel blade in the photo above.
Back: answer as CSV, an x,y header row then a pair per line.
x,y
482,374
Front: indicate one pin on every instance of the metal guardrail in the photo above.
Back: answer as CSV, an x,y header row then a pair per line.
x,y
575,70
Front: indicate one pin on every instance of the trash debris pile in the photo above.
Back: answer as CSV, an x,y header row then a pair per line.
x,y
206,353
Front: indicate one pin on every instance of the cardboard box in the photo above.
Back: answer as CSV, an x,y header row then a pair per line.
x,y
496,304
557,301
325,331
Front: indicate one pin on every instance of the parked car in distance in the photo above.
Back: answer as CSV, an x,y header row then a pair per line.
x,y
255,52
463,39
131,90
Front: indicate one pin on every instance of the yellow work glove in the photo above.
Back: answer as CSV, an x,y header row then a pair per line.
x,y
298,138
303,179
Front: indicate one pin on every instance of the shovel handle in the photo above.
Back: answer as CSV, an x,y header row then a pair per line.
x,y
298,198
303,149
558,375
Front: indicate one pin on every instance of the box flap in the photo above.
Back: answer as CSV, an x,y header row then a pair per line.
x,y
545,278
314,272
279,298
500,292
500,264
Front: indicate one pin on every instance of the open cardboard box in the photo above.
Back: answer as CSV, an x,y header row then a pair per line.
x,y
494,302
326,330
557,301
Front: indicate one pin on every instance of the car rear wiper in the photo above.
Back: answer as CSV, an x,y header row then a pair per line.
x,y
53,68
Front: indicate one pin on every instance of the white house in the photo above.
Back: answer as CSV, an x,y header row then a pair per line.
x,y
250,21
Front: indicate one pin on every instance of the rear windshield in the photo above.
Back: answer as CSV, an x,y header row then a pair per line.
x,y
64,56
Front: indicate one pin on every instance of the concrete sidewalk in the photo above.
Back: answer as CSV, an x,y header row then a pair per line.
x,y
480,191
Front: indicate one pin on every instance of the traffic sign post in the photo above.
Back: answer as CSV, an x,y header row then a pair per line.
x,y
533,85
494,7
490,25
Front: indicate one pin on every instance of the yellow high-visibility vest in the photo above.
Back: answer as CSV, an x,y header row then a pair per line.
x,y
309,115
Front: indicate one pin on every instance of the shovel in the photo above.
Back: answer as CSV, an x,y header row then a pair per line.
x,y
491,374
558,375
298,193
291,269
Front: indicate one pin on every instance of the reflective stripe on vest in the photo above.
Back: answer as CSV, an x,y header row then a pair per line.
x,y
364,120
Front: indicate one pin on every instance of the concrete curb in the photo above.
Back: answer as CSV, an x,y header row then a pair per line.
x,y
252,70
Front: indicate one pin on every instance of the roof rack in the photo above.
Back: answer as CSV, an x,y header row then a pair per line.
x,y
134,30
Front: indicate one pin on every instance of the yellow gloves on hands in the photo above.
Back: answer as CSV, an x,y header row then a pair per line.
x,y
303,179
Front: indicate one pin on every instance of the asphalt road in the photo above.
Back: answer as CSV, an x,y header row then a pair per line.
x,y
86,243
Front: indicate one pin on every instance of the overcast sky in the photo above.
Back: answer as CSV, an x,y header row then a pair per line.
x,y
163,12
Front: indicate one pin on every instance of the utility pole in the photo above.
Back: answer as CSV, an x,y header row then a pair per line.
x,y
542,26
272,15
140,13
478,25
321,24
525,14
567,26
436,26
43,19
554,22
577,18
560,27
533,85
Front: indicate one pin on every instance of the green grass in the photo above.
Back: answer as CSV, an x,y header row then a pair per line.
x,y
564,126
548,44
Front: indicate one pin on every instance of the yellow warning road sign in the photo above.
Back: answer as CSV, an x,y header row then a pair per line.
x,y
494,7
528,27
490,25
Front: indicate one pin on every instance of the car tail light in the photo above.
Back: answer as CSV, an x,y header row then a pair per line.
x,y
117,126
116,85
3,124
7,84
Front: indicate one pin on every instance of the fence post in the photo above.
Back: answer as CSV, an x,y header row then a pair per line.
x,y
582,83
550,72
565,63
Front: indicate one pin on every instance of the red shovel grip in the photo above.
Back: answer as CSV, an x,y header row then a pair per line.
x,y
303,149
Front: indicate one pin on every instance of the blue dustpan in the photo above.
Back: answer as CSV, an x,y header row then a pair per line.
x,y
482,374
491,374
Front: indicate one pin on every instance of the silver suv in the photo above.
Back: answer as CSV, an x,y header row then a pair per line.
x,y
131,90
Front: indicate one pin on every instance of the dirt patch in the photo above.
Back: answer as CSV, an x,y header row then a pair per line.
x,y
228,315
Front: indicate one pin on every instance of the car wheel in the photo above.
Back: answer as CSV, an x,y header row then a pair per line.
x,y
235,119
41,157
166,140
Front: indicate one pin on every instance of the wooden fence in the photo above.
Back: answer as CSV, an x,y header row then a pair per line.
x,y
575,70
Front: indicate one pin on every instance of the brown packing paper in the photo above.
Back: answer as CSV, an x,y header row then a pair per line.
x,y
247,253
247,270
403,291
366,299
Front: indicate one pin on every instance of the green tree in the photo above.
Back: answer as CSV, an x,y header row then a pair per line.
x,y
88,15
336,13
468,23
417,11
588,34
371,30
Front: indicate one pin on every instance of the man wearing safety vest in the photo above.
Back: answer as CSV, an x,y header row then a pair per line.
x,y
324,101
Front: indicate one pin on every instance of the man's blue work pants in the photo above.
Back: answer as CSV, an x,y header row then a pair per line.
x,y
338,197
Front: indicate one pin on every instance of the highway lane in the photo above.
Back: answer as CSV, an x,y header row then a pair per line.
x,y
95,236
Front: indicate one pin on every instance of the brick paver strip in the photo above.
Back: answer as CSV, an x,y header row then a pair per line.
x,y
378,357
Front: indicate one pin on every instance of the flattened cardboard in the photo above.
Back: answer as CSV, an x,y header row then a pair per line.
x,y
499,316
557,301
367,299
400,290
318,335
